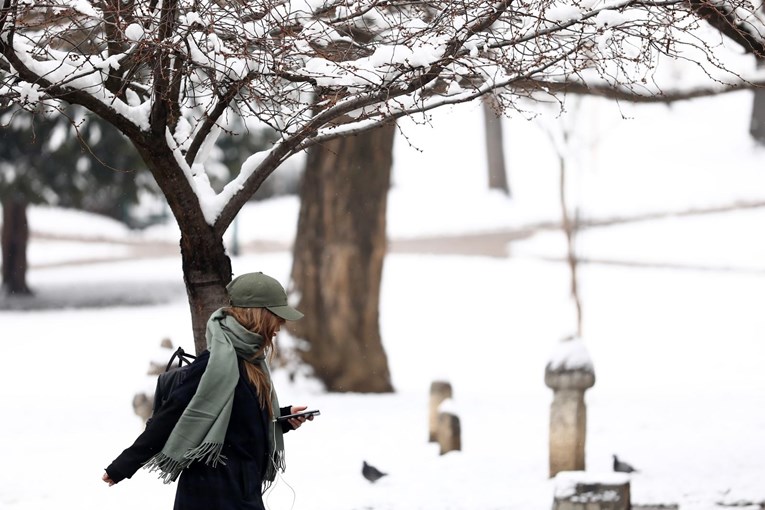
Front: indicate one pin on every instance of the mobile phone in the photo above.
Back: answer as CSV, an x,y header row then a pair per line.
x,y
307,414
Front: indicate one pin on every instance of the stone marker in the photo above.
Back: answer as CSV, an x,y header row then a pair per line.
x,y
568,418
578,490
568,373
439,391
449,433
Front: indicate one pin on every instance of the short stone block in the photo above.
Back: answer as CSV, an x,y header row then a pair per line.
x,y
579,490
449,433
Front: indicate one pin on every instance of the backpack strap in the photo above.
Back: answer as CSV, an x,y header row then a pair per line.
x,y
170,378
182,356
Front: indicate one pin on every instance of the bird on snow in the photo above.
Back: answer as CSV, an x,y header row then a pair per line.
x,y
623,467
371,473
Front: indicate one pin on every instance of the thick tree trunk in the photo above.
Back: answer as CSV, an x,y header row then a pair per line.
x,y
495,152
15,236
338,260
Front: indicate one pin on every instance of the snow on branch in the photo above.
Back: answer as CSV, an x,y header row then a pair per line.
x,y
168,74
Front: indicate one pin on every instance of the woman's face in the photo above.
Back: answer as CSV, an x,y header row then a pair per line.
x,y
279,325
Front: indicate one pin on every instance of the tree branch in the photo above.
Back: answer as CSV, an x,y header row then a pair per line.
x,y
723,19
454,47
160,110
623,94
211,119
72,96
528,85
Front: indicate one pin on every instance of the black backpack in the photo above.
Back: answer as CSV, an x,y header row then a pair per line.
x,y
168,380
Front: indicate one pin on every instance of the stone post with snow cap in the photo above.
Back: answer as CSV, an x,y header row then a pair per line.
x,y
439,391
569,373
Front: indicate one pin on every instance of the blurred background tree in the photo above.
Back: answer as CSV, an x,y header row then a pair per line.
x,y
72,159
63,158
338,260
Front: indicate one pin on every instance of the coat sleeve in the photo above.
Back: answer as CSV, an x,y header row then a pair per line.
x,y
286,427
157,430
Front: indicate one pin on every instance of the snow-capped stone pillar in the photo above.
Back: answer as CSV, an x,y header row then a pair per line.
x,y
569,373
439,391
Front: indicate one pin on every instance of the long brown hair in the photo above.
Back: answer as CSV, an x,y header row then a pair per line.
x,y
266,324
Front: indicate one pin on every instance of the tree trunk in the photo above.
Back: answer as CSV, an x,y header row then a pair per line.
x,y
206,272
206,266
495,152
338,260
15,236
757,119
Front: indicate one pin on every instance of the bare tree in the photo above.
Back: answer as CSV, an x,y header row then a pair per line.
x,y
560,134
170,74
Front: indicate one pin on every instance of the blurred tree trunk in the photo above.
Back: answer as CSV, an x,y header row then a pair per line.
x,y
757,120
338,260
15,236
495,152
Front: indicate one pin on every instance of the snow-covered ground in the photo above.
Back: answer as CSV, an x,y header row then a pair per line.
x,y
672,320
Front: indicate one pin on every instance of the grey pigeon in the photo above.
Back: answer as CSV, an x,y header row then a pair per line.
x,y
623,467
371,473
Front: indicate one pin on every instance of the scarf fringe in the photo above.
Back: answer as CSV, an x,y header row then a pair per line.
x,y
278,463
209,453
280,460
170,469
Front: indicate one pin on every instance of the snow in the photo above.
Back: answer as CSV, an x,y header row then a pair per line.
x,y
567,481
134,32
610,19
672,322
570,354
563,13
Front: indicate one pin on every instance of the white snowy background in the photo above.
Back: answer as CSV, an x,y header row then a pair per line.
x,y
673,323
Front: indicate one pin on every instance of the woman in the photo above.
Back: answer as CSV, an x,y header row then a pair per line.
x,y
218,429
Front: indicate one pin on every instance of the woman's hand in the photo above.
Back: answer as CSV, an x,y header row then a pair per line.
x,y
297,422
107,479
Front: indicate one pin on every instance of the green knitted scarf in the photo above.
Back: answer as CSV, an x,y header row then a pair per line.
x,y
201,429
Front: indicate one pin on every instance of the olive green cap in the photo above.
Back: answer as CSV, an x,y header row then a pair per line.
x,y
257,290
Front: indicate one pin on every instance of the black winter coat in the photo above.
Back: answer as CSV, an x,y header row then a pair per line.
x,y
233,486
